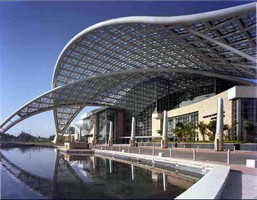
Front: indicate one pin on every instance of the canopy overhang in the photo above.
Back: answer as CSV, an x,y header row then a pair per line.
x,y
108,61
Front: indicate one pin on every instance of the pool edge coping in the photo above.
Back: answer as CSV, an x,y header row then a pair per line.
x,y
202,189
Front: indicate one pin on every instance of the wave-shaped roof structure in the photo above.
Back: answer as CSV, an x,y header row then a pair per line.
x,y
113,62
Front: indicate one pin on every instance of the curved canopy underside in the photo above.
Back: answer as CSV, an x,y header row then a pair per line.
x,y
106,63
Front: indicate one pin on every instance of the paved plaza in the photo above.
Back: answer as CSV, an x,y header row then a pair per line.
x,y
242,182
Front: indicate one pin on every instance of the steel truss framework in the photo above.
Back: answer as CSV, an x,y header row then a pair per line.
x,y
133,61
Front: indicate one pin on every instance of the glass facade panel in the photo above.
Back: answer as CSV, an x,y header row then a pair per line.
x,y
184,119
244,121
71,130
104,125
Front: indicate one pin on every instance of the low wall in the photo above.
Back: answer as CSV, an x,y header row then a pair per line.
x,y
243,147
210,186
248,147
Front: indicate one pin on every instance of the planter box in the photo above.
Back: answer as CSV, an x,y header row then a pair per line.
x,y
76,145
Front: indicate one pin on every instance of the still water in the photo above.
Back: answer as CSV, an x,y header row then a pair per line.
x,y
38,172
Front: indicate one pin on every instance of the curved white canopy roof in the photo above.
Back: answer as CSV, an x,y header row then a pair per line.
x,y
103,64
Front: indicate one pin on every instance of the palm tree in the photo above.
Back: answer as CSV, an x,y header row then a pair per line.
x,y
212,129
185,132
227,130
190,131
179,130
202,128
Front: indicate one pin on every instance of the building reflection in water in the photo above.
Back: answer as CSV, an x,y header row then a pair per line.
x,y
110,164
77,176
164,179
93,161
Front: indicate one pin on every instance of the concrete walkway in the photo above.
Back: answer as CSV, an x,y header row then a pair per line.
x,y
242,182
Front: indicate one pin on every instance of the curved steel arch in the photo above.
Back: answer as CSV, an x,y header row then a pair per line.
x,y
233,14
133,50
61,97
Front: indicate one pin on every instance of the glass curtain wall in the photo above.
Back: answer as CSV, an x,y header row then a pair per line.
x,y
244,120
184,119
158,93
104,125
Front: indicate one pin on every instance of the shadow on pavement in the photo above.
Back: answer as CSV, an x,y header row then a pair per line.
x,y
233,188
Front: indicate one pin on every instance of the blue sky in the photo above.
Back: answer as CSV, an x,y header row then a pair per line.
x,y
32,34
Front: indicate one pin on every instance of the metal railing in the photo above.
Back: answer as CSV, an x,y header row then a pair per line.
x,y
194,154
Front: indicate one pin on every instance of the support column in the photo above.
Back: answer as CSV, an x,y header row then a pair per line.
x,y
164,141
56,139
94,136
238,120
110,141
80,133
133,133
218,142
174,126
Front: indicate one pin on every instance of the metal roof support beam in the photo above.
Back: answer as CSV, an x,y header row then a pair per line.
x,y
225,46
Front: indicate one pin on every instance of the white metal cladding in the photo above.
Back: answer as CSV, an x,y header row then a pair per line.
x,y
104,63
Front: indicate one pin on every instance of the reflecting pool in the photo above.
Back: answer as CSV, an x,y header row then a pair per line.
x,y
39,172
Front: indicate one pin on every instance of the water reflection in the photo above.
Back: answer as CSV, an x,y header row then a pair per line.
x,y
110,165
37,160
80,177
132,172
164,178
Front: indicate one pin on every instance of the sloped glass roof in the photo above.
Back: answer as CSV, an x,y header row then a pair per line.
x,y
127,62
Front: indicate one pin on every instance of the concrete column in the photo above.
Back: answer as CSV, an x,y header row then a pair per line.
x,y
110,141
133,132
105,127
218,142
56,139
80,133
164,141
94,135
174,126
238,120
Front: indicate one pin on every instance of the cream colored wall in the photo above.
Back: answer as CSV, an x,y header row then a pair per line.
x,y
242,92
206,107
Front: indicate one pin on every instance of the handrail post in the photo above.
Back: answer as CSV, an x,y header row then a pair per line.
x,y
228,157
194,156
